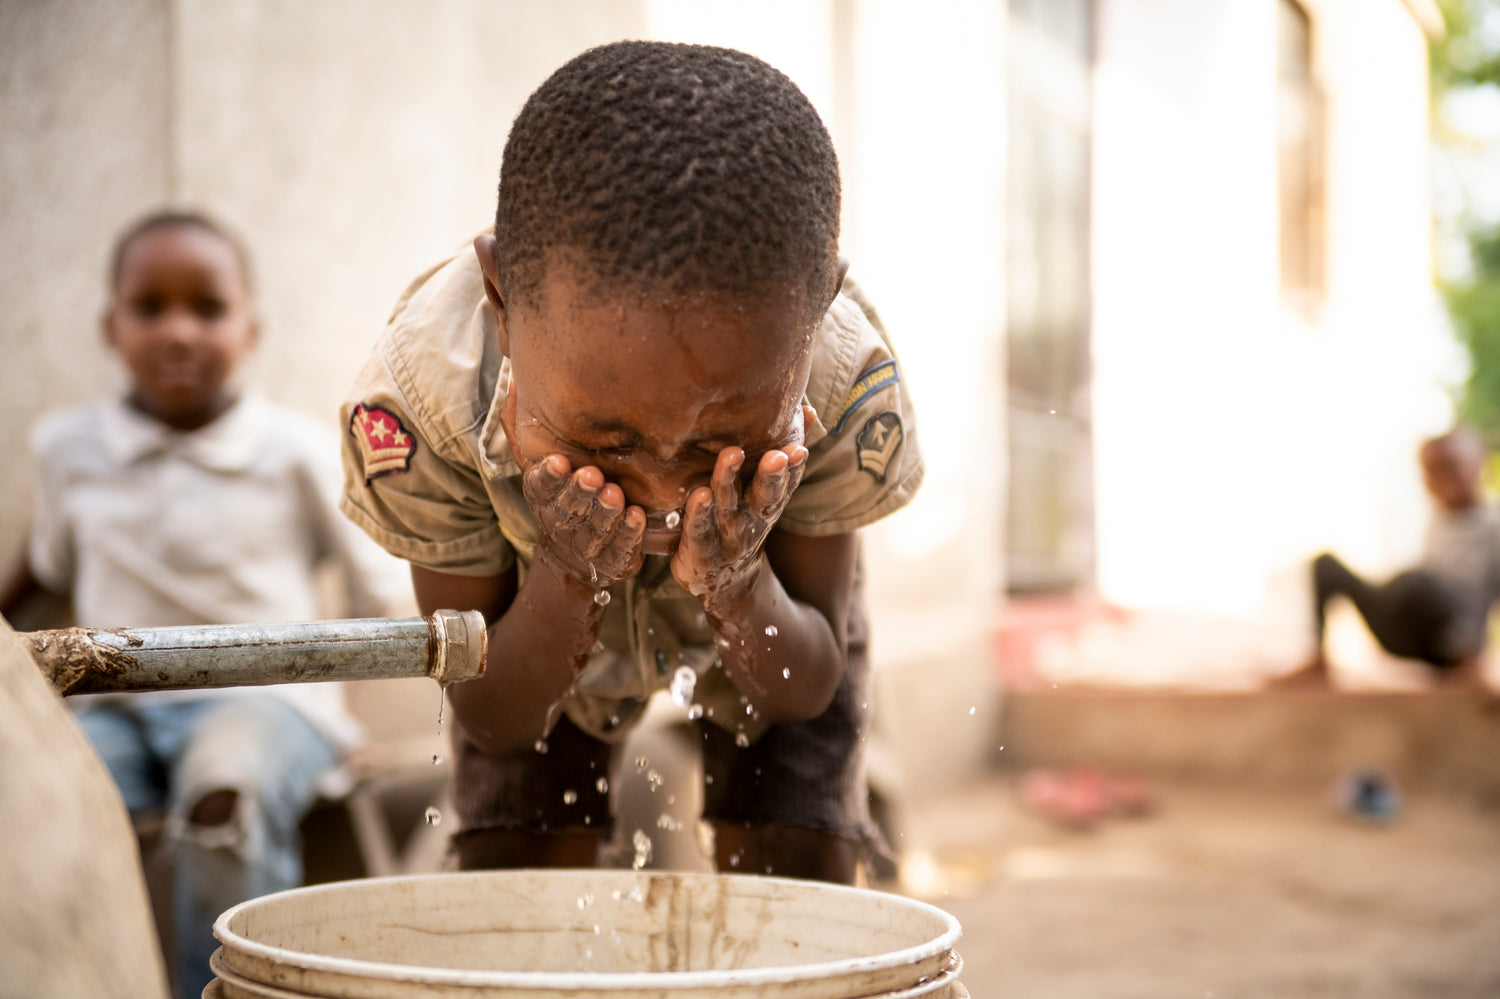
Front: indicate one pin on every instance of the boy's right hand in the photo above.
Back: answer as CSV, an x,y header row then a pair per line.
x,y
587,531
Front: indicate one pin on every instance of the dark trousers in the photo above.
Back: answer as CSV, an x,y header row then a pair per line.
x,y
1415,615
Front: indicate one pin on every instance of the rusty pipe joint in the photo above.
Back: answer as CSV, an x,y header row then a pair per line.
x,y
460,641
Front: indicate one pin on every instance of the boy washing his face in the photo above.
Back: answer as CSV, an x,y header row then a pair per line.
x,y
639,427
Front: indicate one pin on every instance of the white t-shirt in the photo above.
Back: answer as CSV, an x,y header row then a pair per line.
x,y
150,527
1463,547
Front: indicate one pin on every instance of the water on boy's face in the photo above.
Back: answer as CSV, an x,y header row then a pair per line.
x,y
686,377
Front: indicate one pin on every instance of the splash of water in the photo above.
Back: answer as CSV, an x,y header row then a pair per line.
x,y
642,844
601,598
683,682
433,816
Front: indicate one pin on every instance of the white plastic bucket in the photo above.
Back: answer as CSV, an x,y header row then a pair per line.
x,y
583,934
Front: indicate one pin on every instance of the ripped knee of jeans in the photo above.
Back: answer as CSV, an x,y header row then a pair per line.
x,y
215,808
216,819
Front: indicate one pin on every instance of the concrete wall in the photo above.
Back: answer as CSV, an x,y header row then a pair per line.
x,y
350,144
83,108
1234,437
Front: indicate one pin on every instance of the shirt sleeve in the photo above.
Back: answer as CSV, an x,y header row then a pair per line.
x,y
374,583
864,462
50,547
407,486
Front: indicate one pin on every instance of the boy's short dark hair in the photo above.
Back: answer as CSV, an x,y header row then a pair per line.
x,y
668,166
173,218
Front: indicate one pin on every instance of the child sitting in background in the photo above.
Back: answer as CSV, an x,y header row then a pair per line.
x,y
1438,611
639,427
188,501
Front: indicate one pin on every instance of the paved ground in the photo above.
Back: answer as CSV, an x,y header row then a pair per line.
x,y
1222,892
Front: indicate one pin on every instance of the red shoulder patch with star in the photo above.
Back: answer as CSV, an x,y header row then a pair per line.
x,y
385,445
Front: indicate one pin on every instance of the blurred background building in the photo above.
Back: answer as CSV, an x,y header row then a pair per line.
x,y
1160,272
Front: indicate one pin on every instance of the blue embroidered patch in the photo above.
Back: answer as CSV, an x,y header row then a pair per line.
x,y
869,382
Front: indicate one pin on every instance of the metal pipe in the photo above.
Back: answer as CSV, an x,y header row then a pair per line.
x,y
449,646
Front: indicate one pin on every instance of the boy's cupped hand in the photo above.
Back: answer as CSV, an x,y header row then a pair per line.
x,y
726,524
587,531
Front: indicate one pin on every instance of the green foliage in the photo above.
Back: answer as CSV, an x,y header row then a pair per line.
x,y
1468,56
1474,310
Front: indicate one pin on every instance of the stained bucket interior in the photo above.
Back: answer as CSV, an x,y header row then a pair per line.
x,y
549,933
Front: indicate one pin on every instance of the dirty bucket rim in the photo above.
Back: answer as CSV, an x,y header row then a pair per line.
x,y
589,981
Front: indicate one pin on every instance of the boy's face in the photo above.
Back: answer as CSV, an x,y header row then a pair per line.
x,y
180,318
649,390
1450,475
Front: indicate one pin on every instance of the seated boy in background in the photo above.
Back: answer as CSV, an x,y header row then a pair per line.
x,y
1438,611
188,501
639,427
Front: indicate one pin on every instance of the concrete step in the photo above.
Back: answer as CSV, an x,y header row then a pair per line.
x,y
1431,739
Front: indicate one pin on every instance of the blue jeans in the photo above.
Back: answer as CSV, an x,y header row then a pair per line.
x,y
175,754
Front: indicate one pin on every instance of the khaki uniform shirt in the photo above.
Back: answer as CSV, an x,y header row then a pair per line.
x,y
428,474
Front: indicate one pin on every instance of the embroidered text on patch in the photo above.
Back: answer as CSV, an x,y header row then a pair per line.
x,y
385,446
878,443
869,382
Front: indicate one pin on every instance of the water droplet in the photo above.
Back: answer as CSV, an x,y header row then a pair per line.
x,y
654,779
436,759
695,712
734,860
972,709
786,674
570,797
641,763
596,648
672,519
642,844
601,598
770,631
749,709
683,682
442,702
741,739
433,816
708,778
540,746
602,784
665,821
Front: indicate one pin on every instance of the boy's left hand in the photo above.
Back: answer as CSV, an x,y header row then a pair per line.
x,y
725,525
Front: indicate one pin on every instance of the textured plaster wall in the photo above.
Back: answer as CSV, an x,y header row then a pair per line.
x,y
83,116
350,144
